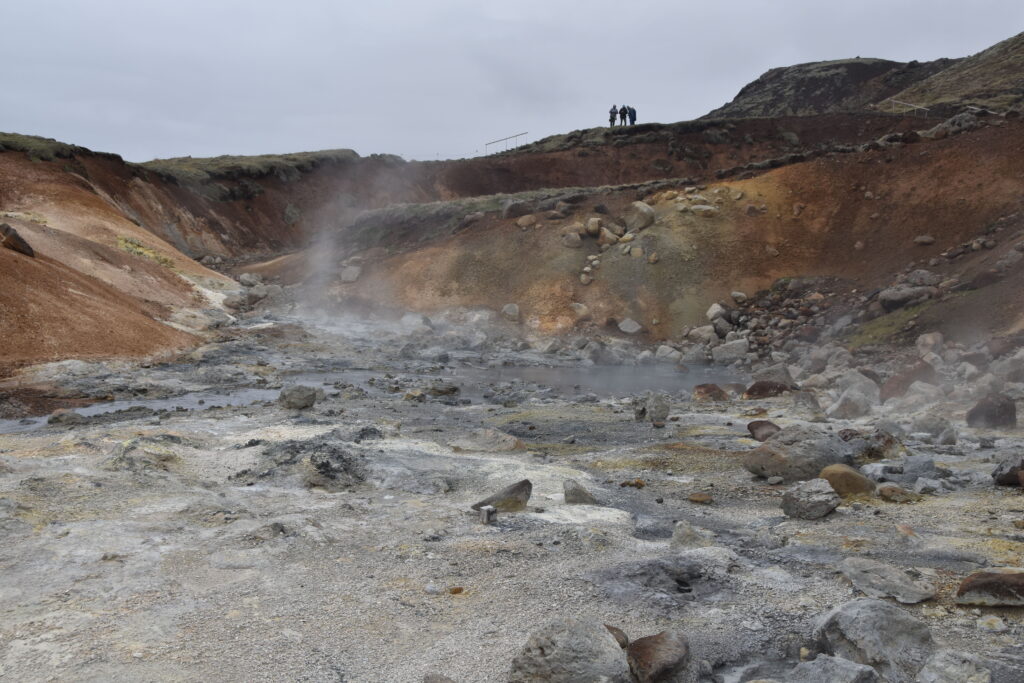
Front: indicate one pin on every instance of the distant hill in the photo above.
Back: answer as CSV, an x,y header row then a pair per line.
x,y
993,79
841,85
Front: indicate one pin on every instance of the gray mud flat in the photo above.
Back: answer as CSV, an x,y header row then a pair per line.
x,y
255,543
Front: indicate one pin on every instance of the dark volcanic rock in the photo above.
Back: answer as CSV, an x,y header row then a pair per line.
x,y
766,389
10,239
762,430
1007,473
709,392
658,658
995,410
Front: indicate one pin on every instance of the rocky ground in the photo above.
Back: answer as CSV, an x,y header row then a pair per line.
x,y
322,527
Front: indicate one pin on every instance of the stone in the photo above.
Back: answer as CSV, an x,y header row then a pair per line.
x,y
948,666
703,334
10,239
657,408
898,384
930,424
879,580
855,379
762,430
901,296
796,453
527,221
297,397
513,208
701,498
716,311
738,297
924,240
826,669
629,326
778,373
659,658
811,499
250,279
850,405
606,236
993,587
709,392
570,650
929,343
877,634
350,274
730,352
638,216
488,514
992,412
666,354
510,312
895,494
576,494
580,311
765,389
572,240
66,417
1008,472
847,481
510,499
594,226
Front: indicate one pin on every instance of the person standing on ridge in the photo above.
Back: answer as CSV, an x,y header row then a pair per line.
x,y
632,116
611,115
623,112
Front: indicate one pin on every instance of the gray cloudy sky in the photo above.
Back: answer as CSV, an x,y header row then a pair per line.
x,y
426,79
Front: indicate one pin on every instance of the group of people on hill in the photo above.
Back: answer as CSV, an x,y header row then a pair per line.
x,y
624,112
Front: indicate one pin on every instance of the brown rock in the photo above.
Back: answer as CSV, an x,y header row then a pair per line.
x,y
10,239
765,389
847,481
898,384
659,658
895,494
606,236
997,586
762,430
709,392
994,410
701,498
510,499
619,635
1009,471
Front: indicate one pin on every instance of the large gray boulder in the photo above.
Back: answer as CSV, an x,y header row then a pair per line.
x,y
297,397
879,580
730,352
826,669
902,295
796,453
570,650
810,499
877,634
850,405
638,216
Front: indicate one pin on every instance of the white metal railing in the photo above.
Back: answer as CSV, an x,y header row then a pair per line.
x,y
505,140
923,111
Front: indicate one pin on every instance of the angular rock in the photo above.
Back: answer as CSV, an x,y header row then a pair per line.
x,y
606,236
898,384
619,635
709,392
877,634
992,412
1008,472
762,430
778,373
510,499
797,452
10,239
659,658
576,494
826,669
510,312
297,397
850,405
847,481
764,388
895,494
570,650
900,296
572,240
993,587
811,499
716,311
730,352
638,216
658,408
512,208
879,580
948,666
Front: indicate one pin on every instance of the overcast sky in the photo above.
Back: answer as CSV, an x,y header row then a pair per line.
x,y
423,79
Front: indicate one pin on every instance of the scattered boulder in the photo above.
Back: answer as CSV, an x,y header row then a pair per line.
x,y
716,311
879,580
510,499
10,239
638,216
992,412
572,240
777,374
709,392
898,384
297,397
877,634
826,669
895,494
1008,472
900,296
510,312
846,481
797,452
659,658
810,500
250,279
570,650
851,404
762,430
630,326
576,494
948,666
764,388
730,352
993,587
658,408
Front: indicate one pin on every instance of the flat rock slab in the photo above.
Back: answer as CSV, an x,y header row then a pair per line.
x,y
510,499
879,580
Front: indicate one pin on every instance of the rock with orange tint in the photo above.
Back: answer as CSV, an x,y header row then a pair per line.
x,y
796,453
658,658
10,239
847,481
709,392
762,430
510,499
993,587
898,384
